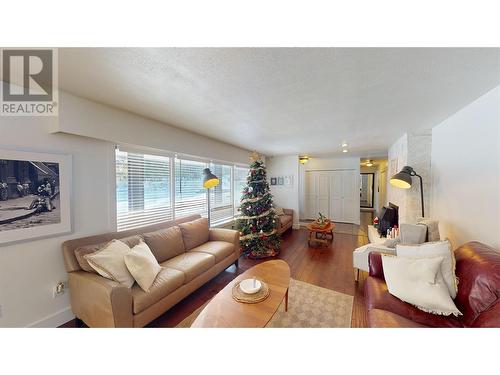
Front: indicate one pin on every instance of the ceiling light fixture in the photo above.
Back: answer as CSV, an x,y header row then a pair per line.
x,y
369,163
344,144
345,150
303,159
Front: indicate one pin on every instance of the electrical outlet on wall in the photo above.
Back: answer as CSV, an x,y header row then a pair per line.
x,y
59,289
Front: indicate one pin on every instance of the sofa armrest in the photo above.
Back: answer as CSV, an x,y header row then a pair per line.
x,y
375,268
100,302
227,235
288,211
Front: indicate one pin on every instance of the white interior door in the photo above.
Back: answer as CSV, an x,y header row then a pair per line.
x,y
333,193
311,195
336,196
349,190
323,194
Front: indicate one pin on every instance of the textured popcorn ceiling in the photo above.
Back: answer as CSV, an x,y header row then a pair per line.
x,y
286,100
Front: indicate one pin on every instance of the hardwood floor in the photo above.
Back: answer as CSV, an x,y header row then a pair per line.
x,y
328,267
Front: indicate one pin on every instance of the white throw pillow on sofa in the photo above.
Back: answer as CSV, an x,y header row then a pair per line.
x,y
420,283
434,249
143,265
109,263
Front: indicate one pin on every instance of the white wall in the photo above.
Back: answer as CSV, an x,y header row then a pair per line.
x,y
397,156
466,173
413,150
327,164
82,117
285,196
29,270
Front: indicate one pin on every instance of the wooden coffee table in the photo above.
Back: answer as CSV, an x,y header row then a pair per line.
x,y
224,312
320,235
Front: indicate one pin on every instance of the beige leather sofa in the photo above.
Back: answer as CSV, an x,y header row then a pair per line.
x,y
100,302
285,221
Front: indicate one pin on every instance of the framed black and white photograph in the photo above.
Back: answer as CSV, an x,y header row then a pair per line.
x,y
34,195
280,181
273,180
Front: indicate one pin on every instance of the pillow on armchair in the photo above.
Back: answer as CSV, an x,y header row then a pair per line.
x,y
434,249
279,211
432,229
420,283
411,234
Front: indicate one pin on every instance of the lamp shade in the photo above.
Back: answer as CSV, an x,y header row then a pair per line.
x,y
209,179
403,178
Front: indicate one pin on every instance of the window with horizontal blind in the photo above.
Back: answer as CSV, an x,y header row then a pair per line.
x,y
221,196
143,184
240,181
155,188
190,195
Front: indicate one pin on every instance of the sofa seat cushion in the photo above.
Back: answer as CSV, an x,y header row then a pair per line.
x,y
285,220
166,282
377,296
165,243
386,319
192,264
219,249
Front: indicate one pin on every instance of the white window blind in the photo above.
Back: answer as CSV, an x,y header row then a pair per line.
x,y
142,189
190,195
221,197
240,181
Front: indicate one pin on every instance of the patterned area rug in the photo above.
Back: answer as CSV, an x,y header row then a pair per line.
x,y
309,306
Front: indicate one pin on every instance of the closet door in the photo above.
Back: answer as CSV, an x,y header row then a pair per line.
x,y
323,198
349,190
311,194
336,196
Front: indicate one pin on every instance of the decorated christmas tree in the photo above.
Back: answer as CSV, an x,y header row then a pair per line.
x,y
258,221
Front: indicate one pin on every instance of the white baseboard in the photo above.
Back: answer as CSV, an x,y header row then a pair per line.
x,y
54,320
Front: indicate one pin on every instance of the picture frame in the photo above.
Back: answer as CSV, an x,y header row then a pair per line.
x,y
273,181
35,195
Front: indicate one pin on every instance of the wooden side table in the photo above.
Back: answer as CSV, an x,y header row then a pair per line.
x,y
321,235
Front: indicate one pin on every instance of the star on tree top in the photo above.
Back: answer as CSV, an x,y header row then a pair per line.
x,y
255,156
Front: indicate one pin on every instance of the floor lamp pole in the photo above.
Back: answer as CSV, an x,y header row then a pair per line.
x,y
208,193
421,194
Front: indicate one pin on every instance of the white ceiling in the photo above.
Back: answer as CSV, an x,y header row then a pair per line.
x,y
286,100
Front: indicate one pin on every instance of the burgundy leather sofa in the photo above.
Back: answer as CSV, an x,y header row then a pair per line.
x,y
478,271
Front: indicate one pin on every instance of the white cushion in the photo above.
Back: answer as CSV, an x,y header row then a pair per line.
x,y
434,249
419,282
412,233
109,263
143,265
